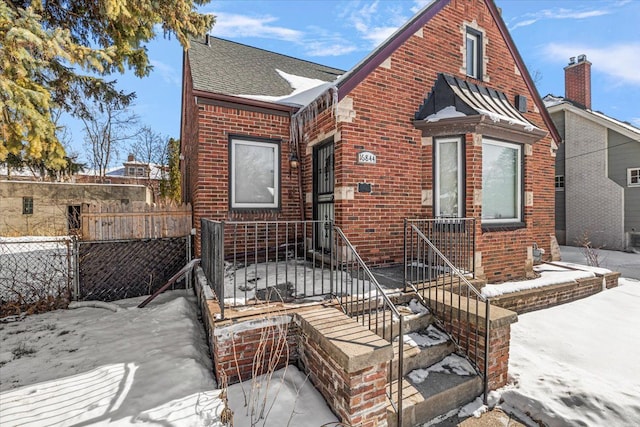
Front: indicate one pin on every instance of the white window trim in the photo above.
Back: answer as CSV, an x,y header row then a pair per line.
x,y
477,40
436,179
276,174
519,176
629,183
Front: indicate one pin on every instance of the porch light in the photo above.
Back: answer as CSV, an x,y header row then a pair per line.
x,y
293,160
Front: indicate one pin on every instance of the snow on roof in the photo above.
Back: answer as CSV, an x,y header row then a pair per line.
x,y
305,90
552,101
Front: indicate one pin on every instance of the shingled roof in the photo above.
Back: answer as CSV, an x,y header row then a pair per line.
x,y
230,68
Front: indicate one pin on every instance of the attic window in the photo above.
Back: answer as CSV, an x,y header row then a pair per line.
x,y
473,48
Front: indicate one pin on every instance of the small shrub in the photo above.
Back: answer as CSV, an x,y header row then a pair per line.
x,y
22,350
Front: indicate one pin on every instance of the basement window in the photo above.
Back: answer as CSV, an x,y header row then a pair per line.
x,y
559,182
633,177
255,173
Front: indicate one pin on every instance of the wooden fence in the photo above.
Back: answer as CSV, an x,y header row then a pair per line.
x,y
135,220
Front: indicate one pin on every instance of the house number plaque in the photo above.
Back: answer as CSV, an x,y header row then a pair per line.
x,y
366,158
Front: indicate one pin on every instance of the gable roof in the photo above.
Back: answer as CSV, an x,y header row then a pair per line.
x,y
243,75
248,71
556,103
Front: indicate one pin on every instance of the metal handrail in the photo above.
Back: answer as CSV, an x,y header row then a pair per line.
x,y
386,303
443,321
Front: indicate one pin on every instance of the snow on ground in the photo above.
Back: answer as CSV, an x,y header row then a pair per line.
x,y
148,366
577,364
628,264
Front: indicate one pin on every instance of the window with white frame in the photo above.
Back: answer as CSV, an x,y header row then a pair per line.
x,y
255,175
501,182
473,49
559,182
448,178
633,177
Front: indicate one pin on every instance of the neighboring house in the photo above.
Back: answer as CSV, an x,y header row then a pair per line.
x,y
54,208
131,172
597,169
441,120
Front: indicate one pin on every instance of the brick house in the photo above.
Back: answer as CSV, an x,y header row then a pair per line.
x,y
441,120
597,168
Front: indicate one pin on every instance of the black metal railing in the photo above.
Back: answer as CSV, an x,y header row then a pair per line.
x,y
459,308
252,262
455,238
362,298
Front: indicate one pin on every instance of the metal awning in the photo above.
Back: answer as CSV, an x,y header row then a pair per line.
x,y
452,98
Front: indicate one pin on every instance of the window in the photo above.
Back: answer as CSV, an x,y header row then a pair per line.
x,y
255,173
73,217
140,171
131,171
27,205
559,182
473,48
633,177
501,182
448,179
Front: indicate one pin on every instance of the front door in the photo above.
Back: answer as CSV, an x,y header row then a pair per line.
x,y
323,184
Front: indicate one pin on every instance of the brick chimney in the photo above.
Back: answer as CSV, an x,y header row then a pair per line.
x,y
131,158
577,81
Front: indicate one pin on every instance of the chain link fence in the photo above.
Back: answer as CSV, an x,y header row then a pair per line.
x,y
36,274
112,270
42,274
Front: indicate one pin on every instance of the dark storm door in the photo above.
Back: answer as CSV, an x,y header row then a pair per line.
x,y
323,186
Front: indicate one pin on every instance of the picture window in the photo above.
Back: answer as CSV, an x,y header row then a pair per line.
x,y
501,182
255,174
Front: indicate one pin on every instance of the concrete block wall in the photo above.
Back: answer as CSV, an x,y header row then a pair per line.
x,y
600,218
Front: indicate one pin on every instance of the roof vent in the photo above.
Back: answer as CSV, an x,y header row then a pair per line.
x,y
572,60
582,58
521,103
207,39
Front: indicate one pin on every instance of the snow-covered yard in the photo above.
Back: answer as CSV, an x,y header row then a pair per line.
x,y
571,365
578,364
151,366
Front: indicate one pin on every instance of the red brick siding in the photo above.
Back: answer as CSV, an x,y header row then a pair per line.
x,y
537,299
385,103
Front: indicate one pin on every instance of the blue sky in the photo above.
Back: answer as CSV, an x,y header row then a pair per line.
x,y
341,33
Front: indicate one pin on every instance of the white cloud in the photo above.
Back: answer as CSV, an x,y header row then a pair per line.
x,y
167,72
419,4
374,21
559,13
328,48
232,25
619,61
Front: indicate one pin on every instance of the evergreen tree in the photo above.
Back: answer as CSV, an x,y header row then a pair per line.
x,y
54,54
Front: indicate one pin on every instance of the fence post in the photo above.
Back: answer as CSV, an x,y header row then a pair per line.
x,y
188,279
76,268
220,268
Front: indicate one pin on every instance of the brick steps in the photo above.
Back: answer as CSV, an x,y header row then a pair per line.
x,y
438,394
436,380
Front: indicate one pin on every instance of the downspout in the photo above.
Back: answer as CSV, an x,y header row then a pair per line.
x,y
300,172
